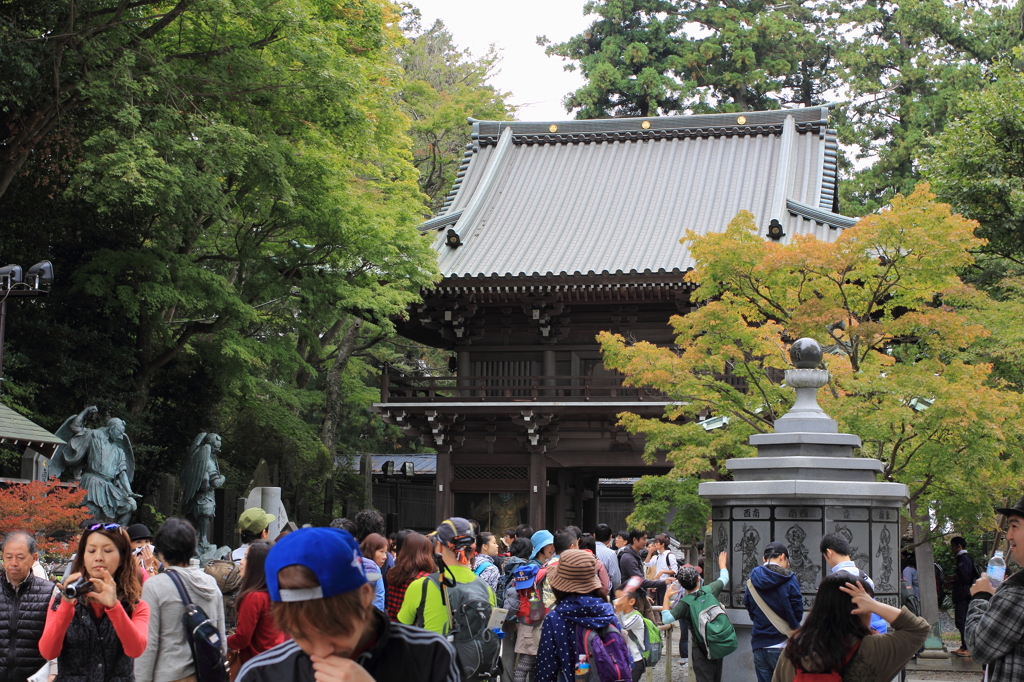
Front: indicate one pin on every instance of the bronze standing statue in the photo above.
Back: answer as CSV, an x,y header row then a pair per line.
x,y
103,462
200,476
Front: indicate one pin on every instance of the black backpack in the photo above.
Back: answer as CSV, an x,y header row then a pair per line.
x,y
908,599
508,576
477,648
977,570
203,638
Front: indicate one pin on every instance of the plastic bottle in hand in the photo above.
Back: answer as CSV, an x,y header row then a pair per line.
x,y
996,568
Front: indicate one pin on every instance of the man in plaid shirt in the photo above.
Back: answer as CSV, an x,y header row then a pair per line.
x,y
995,618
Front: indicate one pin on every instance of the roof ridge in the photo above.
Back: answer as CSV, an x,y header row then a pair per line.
x,y
774,113
809,119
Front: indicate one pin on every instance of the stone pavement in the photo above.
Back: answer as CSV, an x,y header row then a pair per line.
x,y
949,669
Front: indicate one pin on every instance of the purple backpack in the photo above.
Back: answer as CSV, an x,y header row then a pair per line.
x,y
606,652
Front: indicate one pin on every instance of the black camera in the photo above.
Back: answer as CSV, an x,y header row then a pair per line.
x,y
78,588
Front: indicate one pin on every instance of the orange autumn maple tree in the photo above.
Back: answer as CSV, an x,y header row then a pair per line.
x,y
902,334
51,512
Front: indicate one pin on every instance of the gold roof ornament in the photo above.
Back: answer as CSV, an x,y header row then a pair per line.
x,y
552,128
741,120
645,125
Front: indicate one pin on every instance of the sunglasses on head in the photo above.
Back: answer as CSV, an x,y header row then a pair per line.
x,y
104,526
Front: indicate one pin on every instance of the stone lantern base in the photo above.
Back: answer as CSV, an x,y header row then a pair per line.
x,y
804,483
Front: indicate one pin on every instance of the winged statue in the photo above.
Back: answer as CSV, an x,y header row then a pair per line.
x,y
200,476
103,462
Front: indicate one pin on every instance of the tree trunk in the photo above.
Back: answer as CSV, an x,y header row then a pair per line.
x,y
333,406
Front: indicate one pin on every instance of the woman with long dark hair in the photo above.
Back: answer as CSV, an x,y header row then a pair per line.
x,y
415,560
256,631
108,627
837,636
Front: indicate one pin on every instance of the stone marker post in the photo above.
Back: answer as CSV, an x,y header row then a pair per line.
x,y
934,648
804,482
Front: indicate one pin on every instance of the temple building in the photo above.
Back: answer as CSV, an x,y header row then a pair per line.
x,y
552,233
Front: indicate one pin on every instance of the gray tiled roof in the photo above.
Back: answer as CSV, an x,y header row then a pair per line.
x,y
610,196
19,430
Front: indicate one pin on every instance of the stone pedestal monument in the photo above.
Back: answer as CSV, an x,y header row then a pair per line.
x,y
269,500
804,482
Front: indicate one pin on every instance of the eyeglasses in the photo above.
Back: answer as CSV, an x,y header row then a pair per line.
x,y
104,526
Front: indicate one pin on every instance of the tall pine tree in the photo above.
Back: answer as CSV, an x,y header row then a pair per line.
x,y
650,57
905,65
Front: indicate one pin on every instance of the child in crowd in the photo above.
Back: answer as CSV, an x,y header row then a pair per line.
x,y
632,624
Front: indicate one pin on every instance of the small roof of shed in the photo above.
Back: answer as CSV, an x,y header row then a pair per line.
x,y
614,196
18,430
424,464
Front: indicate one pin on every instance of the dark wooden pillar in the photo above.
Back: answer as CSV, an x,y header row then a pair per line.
x,y
577,498
225,518
562,500
464,370
329,498
166,485
589,520
445,502
549,371
538,490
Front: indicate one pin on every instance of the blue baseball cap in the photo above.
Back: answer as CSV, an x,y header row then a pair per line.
x,y
525,576
332,554
540,540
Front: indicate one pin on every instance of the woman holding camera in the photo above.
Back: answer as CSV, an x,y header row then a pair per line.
x,y
100,624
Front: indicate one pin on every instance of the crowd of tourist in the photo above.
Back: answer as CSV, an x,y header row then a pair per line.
x,y
350,602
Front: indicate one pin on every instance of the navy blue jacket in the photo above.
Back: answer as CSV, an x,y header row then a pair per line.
x,y
964,578
780,590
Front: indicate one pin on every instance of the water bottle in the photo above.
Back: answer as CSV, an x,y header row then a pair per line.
x,y
582,669
996,568
193,563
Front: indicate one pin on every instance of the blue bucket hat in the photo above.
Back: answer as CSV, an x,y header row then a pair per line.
x,y
540,540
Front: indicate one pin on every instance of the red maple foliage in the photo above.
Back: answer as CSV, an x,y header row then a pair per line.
x,y
51,512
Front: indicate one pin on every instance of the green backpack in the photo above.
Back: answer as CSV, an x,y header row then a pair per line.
x,y
710,623
651,645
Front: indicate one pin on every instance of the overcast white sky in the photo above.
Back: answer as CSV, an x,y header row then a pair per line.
x,y
536,81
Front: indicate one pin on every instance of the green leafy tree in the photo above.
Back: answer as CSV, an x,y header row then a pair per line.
x,y
651,57
443,86
627,56
905,66
664,503
231,208
976,165
899,325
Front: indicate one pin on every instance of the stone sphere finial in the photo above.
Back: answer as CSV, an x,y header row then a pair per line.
x,y
805,353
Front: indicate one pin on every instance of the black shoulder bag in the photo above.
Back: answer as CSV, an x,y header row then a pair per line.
x,y
203,638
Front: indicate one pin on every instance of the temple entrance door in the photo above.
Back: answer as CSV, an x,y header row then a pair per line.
x,y
493,511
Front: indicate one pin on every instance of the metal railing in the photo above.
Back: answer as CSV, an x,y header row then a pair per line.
x,y
523,388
